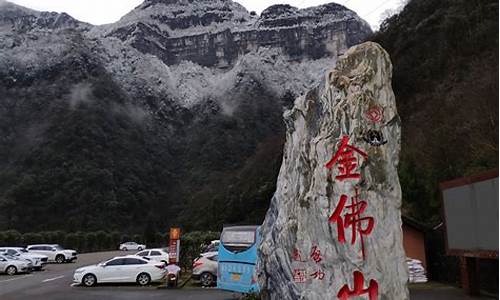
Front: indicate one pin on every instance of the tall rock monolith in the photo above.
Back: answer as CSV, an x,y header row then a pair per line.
x,y
333,230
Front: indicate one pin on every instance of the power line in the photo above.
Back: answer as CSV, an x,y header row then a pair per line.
x,y
374,10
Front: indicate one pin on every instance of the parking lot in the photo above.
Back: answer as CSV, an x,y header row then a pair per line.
x,y
56,283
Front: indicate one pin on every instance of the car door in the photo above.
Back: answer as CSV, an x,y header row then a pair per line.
x,y
49,251
112,271
132,268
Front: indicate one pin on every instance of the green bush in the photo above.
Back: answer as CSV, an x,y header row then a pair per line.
x,y
90,241
11,238
191,245
32,238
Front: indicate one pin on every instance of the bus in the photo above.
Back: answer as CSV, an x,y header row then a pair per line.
x,y
238,259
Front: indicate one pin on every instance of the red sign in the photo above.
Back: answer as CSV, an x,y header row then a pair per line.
x,y
352,219
375,114
316,254
174,245
299,275
358,290
346,160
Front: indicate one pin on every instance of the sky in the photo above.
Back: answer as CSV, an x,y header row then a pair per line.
x,y
108,11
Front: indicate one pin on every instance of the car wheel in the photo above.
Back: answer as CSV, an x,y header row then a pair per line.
x,y
139,249
89,280
207,279
59,259
11,270
143,279
124,248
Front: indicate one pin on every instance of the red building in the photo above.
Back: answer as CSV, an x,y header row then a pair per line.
x,y
414,240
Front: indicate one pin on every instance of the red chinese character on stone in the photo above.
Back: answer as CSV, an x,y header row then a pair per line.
x,y
346,160
352,219
296,255
318,275
299,275
316,254
372,290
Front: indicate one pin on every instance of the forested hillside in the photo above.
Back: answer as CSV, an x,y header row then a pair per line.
x,y
97,135
445,56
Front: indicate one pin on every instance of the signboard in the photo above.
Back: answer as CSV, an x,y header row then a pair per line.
x,y
174,245
470,212
175,233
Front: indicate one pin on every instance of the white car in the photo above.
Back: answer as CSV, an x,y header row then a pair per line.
x,y
54,252
131,246
205,268
37,260
121,269
154,254
12,265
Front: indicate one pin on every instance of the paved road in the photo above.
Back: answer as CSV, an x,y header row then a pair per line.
x,y
55,283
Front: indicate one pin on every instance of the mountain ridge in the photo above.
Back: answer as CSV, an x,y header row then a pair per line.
x,y
103,130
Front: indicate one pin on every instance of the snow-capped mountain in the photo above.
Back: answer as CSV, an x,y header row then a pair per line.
x,y
176,97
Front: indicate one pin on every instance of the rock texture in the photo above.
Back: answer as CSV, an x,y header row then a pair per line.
x,y
302,256
217,33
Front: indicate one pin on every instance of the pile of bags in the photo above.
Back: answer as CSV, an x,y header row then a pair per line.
x,y
416,270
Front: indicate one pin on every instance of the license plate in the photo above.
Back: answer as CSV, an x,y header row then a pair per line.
x,y
235,277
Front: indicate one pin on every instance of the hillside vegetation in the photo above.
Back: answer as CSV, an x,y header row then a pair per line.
x,y
445,56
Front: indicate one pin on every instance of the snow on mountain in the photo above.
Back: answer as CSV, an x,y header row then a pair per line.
x,y
185,51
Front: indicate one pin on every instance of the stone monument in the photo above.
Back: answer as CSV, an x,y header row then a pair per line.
x,y
333,230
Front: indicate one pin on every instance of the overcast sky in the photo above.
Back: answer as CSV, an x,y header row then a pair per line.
x,y
108,11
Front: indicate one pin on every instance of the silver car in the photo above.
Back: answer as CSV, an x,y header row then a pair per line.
x,y
205,268
12,265
37,260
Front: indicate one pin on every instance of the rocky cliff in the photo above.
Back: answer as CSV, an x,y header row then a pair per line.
x,y
217,33
334,225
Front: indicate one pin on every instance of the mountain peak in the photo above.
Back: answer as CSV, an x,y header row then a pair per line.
x,y
22,19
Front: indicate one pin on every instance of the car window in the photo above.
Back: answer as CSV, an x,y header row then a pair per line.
x,y
143,253
115,262
155,253
134,261
11,252
214,258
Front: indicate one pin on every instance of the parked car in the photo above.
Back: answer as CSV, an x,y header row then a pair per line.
x,y
37,260
205,268
154,254
131,246
12,265
212,247
121,269
54,252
